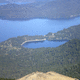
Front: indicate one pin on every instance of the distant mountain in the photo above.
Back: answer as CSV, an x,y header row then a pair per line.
x,y
12,1
58,9
3,1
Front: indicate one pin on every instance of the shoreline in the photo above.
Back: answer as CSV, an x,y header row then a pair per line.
x,y
33,40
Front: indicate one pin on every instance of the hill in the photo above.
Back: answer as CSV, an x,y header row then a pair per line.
x,y
12,1
16,62
6,79
55,9
72,32
46,76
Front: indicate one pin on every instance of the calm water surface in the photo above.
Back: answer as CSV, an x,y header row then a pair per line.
x,y
43,44
9,29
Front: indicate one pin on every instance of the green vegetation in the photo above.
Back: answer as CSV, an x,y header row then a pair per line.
x,y
72,71
17,61
58,9
6,79
16,42
72,32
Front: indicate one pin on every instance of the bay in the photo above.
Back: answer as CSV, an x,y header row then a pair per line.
x,y
9,29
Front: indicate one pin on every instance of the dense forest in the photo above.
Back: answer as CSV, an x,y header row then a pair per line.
x,y
55,9
72,32
6,79
63,59
17,61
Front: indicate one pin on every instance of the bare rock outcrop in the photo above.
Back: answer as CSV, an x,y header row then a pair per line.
x,y
46,76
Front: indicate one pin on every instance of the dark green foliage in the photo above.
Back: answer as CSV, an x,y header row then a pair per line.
x,y
59,9
73,71
49,34
19,63
72,32
16,42
6,79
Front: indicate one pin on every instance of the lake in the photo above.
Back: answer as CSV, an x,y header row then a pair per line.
x,y
43,44
9,29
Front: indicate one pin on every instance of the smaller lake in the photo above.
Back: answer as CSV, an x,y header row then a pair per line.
x,y
39,44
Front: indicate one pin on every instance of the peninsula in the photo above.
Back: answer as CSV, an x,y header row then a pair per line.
x,y
33,40
72,32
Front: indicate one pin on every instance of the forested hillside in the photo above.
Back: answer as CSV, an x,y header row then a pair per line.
x,y
72,32
56,9
18,62
6,79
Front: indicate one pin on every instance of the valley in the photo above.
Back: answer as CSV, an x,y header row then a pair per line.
x,y
18,61
39,21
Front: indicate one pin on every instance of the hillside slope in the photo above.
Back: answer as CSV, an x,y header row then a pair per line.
x,y
58,9
16,62
72,32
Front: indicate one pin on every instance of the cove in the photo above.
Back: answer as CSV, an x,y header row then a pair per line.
x,y
9,29
45,44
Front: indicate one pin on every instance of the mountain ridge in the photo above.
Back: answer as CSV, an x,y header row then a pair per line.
x,y
50,10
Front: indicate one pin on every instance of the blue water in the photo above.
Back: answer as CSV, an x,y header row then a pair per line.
x,y
43,44
9,29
